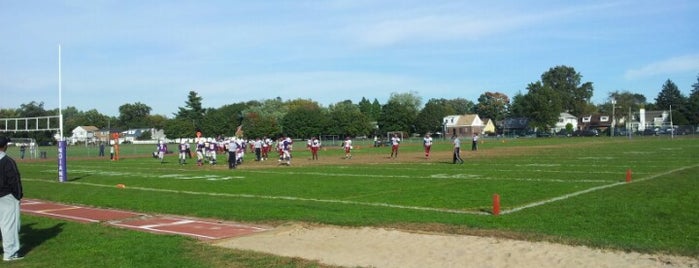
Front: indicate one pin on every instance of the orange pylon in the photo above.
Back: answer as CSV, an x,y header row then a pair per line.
x,y
628,175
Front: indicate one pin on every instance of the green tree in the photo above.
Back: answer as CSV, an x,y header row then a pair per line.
x,y
565,82
671,97
193,110
348,120
542,106
462,106
375,110
518,106
493,105
32,109
366,108
258,125
36,109
372,110
72,118
263,119
429,119
400,112
693,104
134,115
178,128
157,121
305,121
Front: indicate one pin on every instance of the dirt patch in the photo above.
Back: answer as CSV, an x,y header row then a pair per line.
x,y
382,247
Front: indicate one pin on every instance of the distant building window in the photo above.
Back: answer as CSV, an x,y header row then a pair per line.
x,y
586,119
604,118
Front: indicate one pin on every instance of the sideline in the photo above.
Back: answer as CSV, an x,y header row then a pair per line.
x,y
563,197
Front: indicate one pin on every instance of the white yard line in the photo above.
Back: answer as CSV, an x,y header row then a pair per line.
x,y
346,202
291,198
563,197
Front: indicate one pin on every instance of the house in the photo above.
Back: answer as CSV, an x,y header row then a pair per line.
x,y
132,135
515,126
595,122
462,125
653,119
83,134
488,126
563,120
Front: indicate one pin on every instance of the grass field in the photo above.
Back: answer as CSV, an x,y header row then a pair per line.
x,y
567,190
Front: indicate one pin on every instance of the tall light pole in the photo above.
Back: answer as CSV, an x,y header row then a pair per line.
x,y
613,107
628,129
672,128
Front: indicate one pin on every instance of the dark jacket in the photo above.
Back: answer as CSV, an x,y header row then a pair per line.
x,y
10,182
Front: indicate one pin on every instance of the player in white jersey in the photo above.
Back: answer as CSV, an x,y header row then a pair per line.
x,y
232,151
183,151
211,151
315,146
347,144
257,144
266,146
395,143
162,149
457,150
200,152
286,150
427,144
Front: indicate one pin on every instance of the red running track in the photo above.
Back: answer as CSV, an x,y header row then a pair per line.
x,y
160,224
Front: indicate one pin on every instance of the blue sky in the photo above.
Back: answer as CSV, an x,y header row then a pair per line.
x,y
155,52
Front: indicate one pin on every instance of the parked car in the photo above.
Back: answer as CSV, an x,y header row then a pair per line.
x,y
649,132
586,133
543,134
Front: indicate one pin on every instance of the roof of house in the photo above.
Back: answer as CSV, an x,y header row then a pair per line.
x,y
88,128
462,120
567,116
596,120
655,114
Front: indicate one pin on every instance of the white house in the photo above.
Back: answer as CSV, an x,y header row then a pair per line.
x,y
132,135
565,119
462,125
83,134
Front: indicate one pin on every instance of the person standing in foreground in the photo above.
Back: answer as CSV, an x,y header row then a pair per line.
x,y
457,150
10,195
427,143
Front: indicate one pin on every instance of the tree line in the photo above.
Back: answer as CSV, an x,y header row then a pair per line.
x,y
560,89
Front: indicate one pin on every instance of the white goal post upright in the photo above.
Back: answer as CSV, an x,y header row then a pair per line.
x,y
62,167
60,96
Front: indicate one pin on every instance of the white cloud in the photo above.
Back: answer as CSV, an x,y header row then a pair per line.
x,y
680,64
467,22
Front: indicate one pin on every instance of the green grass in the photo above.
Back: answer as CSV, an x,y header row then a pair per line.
x,y
655,213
